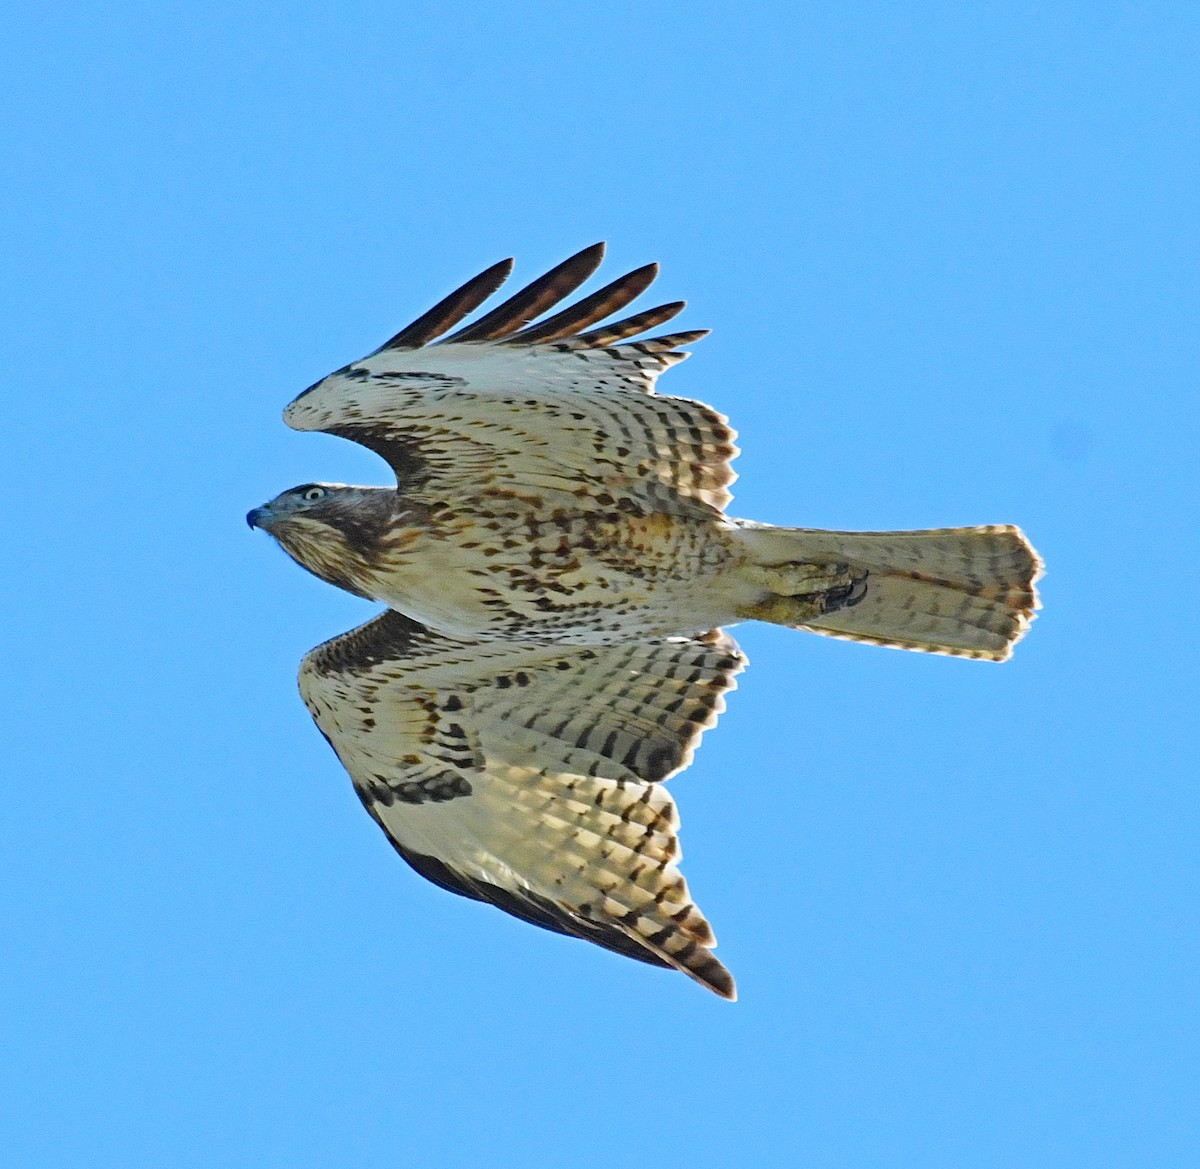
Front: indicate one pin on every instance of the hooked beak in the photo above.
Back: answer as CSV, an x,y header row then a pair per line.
x,y
258,517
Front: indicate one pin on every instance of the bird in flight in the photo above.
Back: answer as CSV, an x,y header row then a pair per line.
x,y
557,567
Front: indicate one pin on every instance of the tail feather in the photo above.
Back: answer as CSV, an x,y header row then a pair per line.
x,y
968,592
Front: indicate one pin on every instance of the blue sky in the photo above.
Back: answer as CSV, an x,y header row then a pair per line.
x,y
949,255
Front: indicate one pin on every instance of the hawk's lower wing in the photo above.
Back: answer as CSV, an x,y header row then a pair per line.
x,y
528,775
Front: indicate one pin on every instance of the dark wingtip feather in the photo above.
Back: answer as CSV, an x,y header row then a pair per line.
x,y
511,321
673,340
610,334
449,311
533,300
721,982
609,299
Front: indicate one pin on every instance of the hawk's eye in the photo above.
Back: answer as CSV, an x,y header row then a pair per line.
x,y
314,494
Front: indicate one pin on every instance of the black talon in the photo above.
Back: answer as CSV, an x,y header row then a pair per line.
x,y
846,596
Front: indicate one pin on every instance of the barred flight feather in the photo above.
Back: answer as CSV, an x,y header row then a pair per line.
x,y
448,312
533,300
533,770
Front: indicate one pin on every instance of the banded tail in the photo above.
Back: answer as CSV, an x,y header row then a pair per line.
x,y
968,592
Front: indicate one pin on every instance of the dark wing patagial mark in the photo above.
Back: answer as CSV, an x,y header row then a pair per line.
x,y
402,454
387,638
448,312
533,300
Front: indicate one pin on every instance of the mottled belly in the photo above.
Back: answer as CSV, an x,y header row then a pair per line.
x,y
568,578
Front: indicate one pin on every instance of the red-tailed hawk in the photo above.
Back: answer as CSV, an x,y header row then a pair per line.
x,y
557,565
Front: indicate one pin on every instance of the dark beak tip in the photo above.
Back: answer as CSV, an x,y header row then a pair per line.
x,y
252,517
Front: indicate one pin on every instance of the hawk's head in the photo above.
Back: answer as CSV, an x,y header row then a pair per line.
x,y
332,530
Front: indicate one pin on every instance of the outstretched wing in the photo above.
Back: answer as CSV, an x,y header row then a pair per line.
x,y
543,406
527,776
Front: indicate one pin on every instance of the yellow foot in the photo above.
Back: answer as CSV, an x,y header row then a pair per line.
x,y
802,580
801,593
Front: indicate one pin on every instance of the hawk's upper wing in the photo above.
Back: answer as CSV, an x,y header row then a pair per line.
x,y
527,775
543,407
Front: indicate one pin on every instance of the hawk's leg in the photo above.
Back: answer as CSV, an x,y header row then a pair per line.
x,y
800,593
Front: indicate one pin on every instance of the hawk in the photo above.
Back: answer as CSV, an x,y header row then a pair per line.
x,y
557,566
